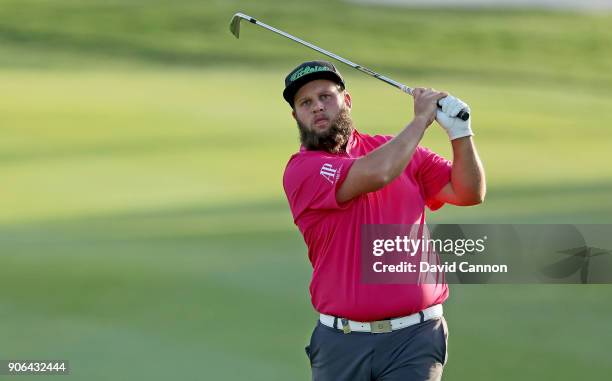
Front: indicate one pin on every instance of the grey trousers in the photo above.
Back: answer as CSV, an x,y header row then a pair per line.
x,y
415,353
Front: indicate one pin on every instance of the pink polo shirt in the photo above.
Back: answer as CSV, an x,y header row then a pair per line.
x,y
332,231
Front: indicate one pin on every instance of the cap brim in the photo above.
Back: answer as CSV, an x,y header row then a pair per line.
x,y
292,89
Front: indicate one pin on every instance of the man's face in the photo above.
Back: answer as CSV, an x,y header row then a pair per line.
x,y
322,114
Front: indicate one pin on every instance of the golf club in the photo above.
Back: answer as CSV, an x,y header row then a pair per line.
x,y
235,29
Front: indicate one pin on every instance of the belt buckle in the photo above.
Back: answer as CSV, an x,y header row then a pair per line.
x,y
380,326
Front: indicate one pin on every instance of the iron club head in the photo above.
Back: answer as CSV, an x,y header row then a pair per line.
x,y
235,24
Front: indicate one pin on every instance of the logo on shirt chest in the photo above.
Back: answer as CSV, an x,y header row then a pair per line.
x,y
330,173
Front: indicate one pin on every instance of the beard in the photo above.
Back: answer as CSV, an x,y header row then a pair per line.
x,y
333,139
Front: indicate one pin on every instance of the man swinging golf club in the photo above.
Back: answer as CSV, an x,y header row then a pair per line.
x,y
342,179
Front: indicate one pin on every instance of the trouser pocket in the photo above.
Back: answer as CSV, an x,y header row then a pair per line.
x,y
307,348
445,343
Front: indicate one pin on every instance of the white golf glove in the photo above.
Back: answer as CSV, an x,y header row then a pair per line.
x,y
447,118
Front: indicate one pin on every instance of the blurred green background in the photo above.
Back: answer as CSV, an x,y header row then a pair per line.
x,y
144,233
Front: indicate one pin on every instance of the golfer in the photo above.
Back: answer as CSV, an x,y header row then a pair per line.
x,y
341,179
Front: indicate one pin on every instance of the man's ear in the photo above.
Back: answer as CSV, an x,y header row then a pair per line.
x,y
347,99
293,114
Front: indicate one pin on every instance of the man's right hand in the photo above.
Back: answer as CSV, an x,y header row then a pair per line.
x,y
379,167
426,103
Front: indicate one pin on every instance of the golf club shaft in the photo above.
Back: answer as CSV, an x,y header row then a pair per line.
x,y
400,86
463,114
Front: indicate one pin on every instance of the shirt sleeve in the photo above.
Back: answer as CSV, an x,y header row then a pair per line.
x,y
434,172
311,181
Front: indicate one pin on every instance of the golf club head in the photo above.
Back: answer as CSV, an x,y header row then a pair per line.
x,y
235,24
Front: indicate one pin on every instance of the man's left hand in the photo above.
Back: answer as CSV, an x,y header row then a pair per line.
x,y
447,117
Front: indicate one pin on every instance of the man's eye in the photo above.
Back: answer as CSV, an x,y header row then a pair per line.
x,y
306,103
324,96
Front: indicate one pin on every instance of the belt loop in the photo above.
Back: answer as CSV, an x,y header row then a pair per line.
x,y
422,316
335,322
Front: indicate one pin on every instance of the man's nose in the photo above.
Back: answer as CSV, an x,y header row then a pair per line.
x,y
317,106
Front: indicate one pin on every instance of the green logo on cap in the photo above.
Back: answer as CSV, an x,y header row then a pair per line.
x,y
307,70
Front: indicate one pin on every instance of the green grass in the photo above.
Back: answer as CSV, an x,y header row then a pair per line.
x,y
143,219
